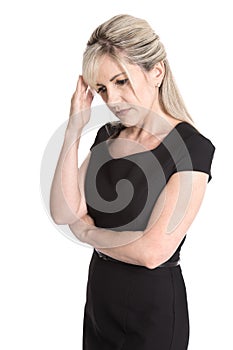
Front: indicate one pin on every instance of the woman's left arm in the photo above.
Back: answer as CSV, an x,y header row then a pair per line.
x,y
172,215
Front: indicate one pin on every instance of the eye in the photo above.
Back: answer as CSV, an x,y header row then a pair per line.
x,y
122,82
101,90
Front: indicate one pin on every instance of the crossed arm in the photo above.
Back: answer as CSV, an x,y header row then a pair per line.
x,y
172,215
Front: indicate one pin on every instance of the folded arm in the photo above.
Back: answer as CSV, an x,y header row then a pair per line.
x,y
170,219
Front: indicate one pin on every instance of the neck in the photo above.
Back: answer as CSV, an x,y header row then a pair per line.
x,y
155,124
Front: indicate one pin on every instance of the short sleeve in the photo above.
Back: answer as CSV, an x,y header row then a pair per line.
x,y
196,154
102,135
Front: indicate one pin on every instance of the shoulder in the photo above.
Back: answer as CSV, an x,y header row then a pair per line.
x,y
193,150
193,139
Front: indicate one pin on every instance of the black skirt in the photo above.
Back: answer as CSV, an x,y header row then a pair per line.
x,y
130,307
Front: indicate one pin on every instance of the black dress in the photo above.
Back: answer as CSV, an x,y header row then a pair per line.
x,y
130,307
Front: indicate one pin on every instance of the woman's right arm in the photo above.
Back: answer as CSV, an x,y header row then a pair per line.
x,y
66,199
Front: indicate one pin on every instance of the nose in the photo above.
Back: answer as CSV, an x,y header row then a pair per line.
x,y
113,96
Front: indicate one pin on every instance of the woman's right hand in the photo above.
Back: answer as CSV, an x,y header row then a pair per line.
x,y
80,109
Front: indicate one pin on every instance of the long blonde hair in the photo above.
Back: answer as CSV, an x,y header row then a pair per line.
x,y
129,39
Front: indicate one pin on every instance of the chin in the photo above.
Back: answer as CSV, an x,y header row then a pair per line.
x,y
131,121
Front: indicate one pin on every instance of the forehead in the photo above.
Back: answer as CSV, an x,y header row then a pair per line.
x,y
108,68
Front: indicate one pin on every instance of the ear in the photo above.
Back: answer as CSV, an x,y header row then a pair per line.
x,y
157,73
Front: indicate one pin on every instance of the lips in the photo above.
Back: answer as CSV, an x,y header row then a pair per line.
x,y
122,112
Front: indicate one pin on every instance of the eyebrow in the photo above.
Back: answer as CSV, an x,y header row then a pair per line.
x,y
115,76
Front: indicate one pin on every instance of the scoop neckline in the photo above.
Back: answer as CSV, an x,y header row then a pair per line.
x,y
149,150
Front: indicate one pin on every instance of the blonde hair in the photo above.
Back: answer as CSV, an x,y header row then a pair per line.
x,y
129,39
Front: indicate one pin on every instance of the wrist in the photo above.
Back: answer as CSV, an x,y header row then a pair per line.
x,y
73,133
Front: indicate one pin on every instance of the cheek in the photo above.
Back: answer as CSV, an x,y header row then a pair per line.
x,y
147,96
145,91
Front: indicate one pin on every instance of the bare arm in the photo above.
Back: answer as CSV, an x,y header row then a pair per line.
x,y
171,217
65,194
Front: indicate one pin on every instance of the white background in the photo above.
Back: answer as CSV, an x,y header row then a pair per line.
x,y
43,273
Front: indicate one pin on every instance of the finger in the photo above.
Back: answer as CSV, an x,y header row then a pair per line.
x,y
83,83
90,95
81,86
82,80
78,82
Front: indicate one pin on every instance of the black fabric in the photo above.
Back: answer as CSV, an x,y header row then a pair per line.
x,y
150,309
130,307
200,149
184,148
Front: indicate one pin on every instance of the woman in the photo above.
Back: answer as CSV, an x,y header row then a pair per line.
x,y
137,193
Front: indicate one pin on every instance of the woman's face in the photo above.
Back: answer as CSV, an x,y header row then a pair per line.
x,y
129,103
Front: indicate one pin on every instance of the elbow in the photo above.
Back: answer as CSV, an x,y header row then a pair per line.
x,y
61,213
55,214
58,219
151,264
154,259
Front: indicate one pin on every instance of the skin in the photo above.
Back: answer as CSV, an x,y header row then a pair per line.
x,y
65,194
144,120
147,125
